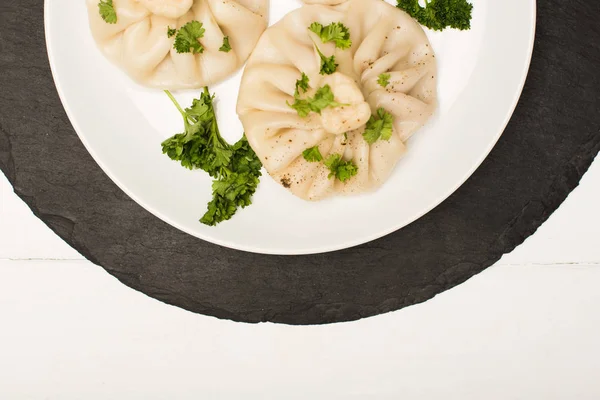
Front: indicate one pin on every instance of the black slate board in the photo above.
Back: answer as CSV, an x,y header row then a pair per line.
x,y
549,144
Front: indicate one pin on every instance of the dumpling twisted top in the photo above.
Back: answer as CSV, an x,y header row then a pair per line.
x,y
139,43
390,65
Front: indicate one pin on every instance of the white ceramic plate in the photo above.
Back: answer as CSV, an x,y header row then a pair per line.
x,y
481,75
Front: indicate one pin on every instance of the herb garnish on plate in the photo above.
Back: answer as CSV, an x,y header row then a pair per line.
x,y
236,168
440,14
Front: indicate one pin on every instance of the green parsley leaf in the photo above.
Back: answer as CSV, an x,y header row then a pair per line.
x,y
328,64
107,11
384,80
335,32
302,107
226,46
379,127
187,39
236,168
312,154
171,32
201,145
235,188
301,84
342,170
322,99
440,14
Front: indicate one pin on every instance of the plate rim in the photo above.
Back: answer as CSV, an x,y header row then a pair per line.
x,y
291,251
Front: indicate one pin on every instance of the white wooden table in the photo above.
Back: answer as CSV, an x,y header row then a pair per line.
x,y
527,328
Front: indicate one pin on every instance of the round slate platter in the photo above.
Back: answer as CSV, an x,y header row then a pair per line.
x,y
549,144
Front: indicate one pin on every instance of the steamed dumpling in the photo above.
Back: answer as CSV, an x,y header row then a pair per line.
x,y
139,43
385,40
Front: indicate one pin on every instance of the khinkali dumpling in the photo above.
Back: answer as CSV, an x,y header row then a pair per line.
x,y
385,77
138,42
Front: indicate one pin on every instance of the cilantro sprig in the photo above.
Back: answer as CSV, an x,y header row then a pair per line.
x,y
384,80
188,38
200,146
171,32
236,186
335,32
312,154
236,168
380,126
328,64
322,99
440,14
301,85
107,11
226,47
340,169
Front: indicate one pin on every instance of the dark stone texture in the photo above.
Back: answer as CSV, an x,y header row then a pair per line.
x,y
549,144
